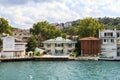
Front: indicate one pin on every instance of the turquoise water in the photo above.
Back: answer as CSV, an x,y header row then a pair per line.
x,y
60,70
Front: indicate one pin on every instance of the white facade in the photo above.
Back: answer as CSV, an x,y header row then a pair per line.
x,y
8,43
13,47
68,24
109,43
59,45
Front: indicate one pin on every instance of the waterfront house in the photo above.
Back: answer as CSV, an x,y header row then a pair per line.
x,y
13,47
22,34
109,43
59,46
90,46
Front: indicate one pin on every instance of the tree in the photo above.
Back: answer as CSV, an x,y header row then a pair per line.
x,y
110,22
73,31
76,23
5,27
44,30
32,43
106,20
64,35
89,27
118,26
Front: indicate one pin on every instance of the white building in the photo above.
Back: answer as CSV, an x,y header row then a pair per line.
x,y
13,47
109,43
68,24
59,46
58,25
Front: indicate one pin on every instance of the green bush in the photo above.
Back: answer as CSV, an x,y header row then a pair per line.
x,y
74,54
37,54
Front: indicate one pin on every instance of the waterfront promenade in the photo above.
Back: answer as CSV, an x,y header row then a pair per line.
x,y
49,58
57,58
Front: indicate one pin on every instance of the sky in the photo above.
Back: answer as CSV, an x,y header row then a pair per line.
x,y
23,13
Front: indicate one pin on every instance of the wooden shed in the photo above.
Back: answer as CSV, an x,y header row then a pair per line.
x,y
90,46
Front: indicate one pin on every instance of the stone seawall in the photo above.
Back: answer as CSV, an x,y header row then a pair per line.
x,y
33,59
48,59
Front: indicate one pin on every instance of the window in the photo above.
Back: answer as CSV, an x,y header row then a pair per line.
x,y
69,51
104,34
112,40
58,51
118,53
105,40
113,49
118,35
108,34
118,48
48,51
48,45
69,45
59,45
111,34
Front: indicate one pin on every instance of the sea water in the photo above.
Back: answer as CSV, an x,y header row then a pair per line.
x,y
60,70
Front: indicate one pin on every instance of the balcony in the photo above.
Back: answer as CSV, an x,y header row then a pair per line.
x,y
59,48
108,37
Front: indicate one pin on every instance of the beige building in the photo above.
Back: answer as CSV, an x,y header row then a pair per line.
x,y
22,34
59,46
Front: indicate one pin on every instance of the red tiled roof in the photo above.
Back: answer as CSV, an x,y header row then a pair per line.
x,y
18,37
22,31
89,38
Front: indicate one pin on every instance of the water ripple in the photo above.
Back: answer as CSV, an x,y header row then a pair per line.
x,y
60,70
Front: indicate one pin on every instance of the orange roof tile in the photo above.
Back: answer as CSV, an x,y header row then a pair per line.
x,y
89,38
18,37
